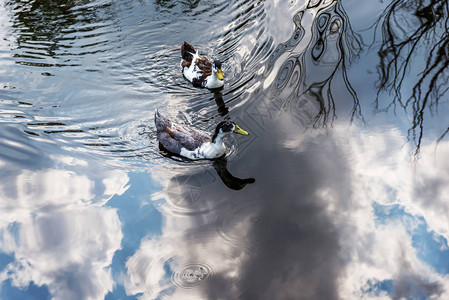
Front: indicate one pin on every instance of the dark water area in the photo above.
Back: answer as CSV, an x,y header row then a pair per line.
x,y
339,192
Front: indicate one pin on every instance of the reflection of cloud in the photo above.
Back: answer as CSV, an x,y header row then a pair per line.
x,y
382,250
69,251
61,235
314,233
431,189
397,180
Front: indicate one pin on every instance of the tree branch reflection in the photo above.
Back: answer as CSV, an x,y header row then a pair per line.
x,y
317,58
410,29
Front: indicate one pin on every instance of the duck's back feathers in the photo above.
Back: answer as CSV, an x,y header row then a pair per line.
x,y
173,137
187,53
198,69
203,69
190,55
164,136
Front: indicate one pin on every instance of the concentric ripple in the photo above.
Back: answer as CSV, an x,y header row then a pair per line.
x,y
191,275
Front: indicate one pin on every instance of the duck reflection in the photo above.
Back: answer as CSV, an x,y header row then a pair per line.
x,y
411,29
232,182
223,110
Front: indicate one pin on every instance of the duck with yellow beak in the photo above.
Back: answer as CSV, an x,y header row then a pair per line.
x,y
193,143
199,70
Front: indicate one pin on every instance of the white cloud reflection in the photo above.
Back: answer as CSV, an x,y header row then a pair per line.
x,y
384,173
55,224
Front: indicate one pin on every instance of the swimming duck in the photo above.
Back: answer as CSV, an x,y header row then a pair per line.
x,y
193,143
199,70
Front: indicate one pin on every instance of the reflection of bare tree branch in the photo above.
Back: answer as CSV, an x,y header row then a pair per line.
x,y
442,136
408,28
350,45
307,75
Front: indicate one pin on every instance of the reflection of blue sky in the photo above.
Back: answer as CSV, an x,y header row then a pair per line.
x,y
431,247
32,292
386,288
378,288
5,259
139,218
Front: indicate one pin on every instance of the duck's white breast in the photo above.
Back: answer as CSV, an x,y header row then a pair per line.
x,y
206,150
212,82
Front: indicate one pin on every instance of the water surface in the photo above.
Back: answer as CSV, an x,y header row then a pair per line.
x,y
339,192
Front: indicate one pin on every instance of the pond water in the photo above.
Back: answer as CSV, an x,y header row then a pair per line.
x,y
341,190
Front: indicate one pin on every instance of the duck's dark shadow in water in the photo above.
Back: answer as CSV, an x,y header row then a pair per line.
x,y
411,29
234,183
223,110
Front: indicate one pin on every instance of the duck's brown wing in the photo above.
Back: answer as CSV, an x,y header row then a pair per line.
x,y
187,52
204,65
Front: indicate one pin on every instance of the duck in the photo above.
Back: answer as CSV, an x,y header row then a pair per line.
x,y
199,70
193,143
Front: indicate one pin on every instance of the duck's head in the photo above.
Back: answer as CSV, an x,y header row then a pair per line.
x,y
227,126
216,68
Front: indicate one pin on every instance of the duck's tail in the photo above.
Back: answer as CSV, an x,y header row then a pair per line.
x,y
187,52
160,121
